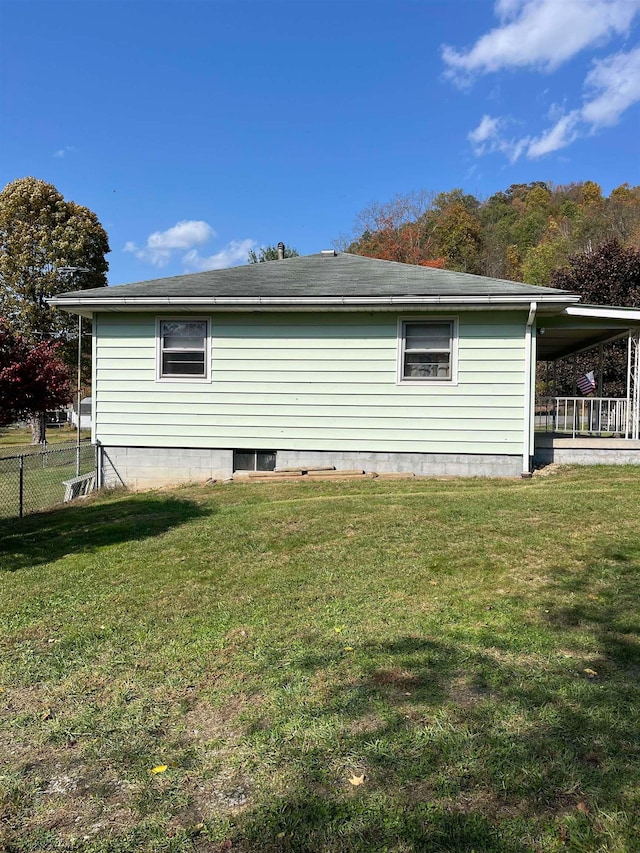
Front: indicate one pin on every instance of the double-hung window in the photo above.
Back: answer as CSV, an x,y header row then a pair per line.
x,y
428,350
183,349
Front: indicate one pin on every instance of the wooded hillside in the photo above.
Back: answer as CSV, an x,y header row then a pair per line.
x,y
523,233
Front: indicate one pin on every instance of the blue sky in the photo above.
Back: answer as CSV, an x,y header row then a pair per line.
x,y
198,129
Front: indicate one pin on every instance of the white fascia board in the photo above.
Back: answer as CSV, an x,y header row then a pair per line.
x,y
345,303
603,312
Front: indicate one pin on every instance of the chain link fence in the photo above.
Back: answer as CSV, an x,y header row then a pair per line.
x,y
34,481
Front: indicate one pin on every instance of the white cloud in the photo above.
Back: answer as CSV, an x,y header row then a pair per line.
x,y
615,82
488,138
235,252
62,151
486,130
506,9
544,34
540,33
161,244
613,85
563,133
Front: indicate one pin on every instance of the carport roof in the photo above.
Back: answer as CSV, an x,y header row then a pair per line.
x,y
581,327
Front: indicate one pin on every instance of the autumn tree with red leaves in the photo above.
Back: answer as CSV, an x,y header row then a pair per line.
x,y
610,275
32,377
397,230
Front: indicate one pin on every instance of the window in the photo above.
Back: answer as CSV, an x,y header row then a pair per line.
x,y
427,350
182,349
254,460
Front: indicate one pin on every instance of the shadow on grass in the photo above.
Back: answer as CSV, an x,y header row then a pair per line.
x,y
471,747
467,741
605,601
81,528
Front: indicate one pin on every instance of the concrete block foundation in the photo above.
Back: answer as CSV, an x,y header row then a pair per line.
x,y
152,467
585,450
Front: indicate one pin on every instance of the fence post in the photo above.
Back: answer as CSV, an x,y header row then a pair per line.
x,y
77,460
21,486
98,467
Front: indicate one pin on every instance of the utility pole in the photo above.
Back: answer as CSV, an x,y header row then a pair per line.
x,y
71,271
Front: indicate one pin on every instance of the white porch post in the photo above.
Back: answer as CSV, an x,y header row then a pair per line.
x,y
633,385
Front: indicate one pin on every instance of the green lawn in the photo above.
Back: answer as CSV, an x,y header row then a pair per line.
x,y
13,440
43,478
467,648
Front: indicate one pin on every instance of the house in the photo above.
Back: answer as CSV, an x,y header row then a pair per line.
x,y
86,405
331,360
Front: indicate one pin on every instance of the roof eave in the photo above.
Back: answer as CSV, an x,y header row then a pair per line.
x,y
604,312
345,303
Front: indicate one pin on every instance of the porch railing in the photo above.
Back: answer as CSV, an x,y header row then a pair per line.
x,y
600,416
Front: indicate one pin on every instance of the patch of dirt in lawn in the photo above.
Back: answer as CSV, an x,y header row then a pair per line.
x,y
204,722
30,699
487,803
226,793
238,635
367,724
465,694
70,798
400,679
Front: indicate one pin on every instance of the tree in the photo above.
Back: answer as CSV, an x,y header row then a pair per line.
x,y
608,276
398,230
525,230
548,255
269,253
42,236
32,377
458,237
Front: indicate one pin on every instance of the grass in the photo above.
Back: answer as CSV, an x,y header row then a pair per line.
x,y
43,478
468,647
18,440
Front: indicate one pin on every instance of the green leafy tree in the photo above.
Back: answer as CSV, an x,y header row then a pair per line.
x,y
550,254
270,253
42,238
458,239
525,231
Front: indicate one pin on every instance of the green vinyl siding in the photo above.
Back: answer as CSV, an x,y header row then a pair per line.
x,y
307,381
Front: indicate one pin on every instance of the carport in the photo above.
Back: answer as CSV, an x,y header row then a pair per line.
x,y
588,428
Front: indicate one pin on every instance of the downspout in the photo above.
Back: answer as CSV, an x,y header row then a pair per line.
x,y
529,390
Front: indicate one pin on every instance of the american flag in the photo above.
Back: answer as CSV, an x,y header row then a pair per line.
x,y
587,384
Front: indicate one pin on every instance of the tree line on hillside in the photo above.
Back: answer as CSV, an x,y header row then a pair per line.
x,y
523,233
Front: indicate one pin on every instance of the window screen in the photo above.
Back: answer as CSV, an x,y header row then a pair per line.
x,y
254,460
427,348
183,348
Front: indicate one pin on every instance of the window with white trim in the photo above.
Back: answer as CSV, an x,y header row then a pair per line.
x,y
182,349
427,350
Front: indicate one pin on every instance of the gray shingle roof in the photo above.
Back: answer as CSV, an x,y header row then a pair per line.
x,y
321,275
